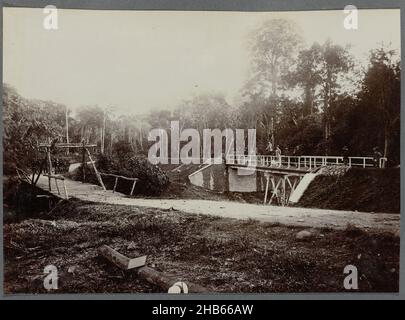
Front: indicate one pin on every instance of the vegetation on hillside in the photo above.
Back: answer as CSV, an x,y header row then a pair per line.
x,y
368,190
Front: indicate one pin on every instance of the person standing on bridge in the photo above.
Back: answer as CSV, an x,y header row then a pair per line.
x,y
278,155
269,147
376,157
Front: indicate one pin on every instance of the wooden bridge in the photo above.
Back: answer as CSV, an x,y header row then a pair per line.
x,y
284,174
47,172
280,181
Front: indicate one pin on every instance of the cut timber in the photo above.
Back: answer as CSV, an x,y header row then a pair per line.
x,y
120,260
301,187
154,277
165,282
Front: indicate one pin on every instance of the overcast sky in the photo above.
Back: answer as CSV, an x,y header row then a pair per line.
x,y
136,61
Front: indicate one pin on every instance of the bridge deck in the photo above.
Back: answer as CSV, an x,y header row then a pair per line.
x,y
273,170
77,189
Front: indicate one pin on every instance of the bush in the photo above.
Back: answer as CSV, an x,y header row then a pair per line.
x,y
152,180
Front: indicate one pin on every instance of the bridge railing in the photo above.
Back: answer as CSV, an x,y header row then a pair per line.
x,y
309,162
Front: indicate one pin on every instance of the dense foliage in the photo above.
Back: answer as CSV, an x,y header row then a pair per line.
x,y
27,122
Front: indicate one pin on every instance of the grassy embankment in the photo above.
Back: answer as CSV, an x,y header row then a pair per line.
x,y
368,190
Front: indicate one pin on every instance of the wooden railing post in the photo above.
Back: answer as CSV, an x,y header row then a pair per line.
x,y
133,187
64,188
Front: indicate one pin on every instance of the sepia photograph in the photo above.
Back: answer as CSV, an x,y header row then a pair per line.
x,y
208,152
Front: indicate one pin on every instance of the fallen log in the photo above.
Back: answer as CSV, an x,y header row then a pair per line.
x,y
165,281
120,260
149,274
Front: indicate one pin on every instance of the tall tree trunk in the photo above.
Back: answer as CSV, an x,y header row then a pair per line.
x,y
327,128
386,141
67,130
101,141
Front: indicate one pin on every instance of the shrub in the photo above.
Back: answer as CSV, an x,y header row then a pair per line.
x,y
152,180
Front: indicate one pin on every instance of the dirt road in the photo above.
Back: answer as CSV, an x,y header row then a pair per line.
x,y
292,216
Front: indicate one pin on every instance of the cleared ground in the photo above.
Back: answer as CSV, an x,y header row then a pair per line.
x,y
222,254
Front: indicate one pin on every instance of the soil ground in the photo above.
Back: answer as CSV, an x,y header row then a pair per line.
x,y
222,254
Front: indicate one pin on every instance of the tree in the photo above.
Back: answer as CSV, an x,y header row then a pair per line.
x,y
274,46
209,110
334,61
381,91
307,75
90,122
27,123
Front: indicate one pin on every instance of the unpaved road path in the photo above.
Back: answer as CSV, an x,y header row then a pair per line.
x,y
292,216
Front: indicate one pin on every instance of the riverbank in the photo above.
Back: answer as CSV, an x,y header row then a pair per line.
x,y
222,254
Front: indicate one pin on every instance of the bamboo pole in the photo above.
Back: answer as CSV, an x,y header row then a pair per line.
x,y
57,187
100,180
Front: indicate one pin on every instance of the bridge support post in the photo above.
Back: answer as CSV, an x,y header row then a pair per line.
x,y
267,188
283,191
275,187
115,184
65,189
